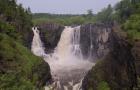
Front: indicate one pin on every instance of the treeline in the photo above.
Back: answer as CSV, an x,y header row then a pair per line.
x,y
121,12
15,20
126,13
64,19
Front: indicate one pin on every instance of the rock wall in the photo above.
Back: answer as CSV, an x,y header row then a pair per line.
x,y
50,34
94,40
116,71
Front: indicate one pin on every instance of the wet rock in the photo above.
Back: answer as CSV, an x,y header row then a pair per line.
x,y
50,34
136,53
116,70
94,40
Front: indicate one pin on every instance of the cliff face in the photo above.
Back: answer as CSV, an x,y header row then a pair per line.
x,y
115,68
94,40
50,34
116,71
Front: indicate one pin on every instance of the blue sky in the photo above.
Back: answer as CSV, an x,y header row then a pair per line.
x,y
66,6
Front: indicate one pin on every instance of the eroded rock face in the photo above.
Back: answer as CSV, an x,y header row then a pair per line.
x,y
50,34
116,71
94,40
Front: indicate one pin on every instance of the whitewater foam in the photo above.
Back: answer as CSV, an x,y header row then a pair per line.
x,y
67,64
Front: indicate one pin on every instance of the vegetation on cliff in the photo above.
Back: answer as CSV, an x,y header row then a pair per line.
x,y
19,68
119,70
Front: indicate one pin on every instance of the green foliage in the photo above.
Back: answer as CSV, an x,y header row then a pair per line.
x,y
13,82
125,8
8,29
103,86
131,26
15,20
133,23
128,15
106,15
19,68
62,19
16,72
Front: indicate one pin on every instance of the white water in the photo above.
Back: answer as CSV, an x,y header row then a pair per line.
x,y
67,65
91,44
37,46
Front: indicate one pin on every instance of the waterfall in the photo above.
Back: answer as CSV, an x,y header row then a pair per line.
x,y
69,44
37,46
66,63
91,44
76,42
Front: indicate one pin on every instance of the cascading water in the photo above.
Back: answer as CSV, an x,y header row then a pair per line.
x,y
67,65
37,46
76,42
91,44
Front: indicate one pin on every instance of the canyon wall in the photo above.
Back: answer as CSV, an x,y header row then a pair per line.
x,y
115,71
117,65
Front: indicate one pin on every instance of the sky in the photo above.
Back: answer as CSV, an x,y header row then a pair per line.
x,y
66,6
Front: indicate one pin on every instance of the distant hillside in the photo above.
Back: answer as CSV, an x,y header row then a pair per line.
x,y
63,19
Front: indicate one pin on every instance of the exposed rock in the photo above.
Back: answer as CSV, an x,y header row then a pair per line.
x,y
27,38
94,40
117,69
50,34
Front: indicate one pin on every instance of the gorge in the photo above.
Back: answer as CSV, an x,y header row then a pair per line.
x,y
77,51
67,64
70,51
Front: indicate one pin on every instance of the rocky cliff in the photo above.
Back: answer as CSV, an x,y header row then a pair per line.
x,y
50,34
94,40
117,65
116,71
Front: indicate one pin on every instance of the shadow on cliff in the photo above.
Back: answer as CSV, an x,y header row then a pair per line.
x,y
116,71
